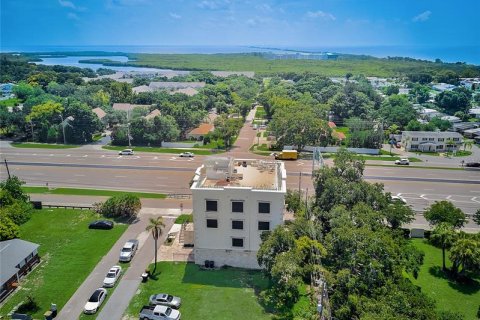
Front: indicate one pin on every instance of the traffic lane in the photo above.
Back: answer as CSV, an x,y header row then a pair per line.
x,y
104,178
421,223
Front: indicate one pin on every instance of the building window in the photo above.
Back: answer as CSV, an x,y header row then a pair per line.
x,y
212,223
424,139
211,205
264,207
414,139
237,242
263,225
237,224
431,139
414,146
440,147
441,139
237,206
456,139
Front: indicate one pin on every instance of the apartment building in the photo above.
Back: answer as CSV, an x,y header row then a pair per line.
x,y
234,201
431,141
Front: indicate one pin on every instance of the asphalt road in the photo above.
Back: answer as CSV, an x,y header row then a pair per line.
x,y
166,173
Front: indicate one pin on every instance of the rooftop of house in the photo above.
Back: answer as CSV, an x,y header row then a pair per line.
x,y
221,172
12,252
153,114
202,129
99,112
128,106
188,91
332,124
432,134
175,85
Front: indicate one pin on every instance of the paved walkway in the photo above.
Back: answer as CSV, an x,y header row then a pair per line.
x,y
128,286
74,307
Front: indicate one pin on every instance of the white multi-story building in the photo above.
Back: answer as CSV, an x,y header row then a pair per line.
x,y
431,141
234,201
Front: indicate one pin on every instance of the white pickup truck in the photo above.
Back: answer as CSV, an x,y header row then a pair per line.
x,y
159,313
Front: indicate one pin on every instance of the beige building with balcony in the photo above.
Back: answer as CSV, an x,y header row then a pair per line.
x,y
234,201
431,141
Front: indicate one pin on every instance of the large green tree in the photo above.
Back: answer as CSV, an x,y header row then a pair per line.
x,y
445,211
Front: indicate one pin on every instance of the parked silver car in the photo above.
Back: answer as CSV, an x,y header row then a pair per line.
x,y
165,300
128,251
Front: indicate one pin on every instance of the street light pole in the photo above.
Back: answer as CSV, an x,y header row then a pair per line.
x,y
63,129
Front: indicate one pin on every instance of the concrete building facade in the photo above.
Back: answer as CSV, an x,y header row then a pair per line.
x,y
234,201
431,141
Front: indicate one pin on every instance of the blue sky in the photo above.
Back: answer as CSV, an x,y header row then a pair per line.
x,y
313,23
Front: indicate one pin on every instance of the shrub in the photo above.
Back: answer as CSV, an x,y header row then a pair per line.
x,y
8,228
121,206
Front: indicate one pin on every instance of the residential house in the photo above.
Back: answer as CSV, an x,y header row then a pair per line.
x,y
461,127
429,114
234,202
128,107
443,87
99,112
153,114
201,131
472,133
475,112
451,119
17,258
431,141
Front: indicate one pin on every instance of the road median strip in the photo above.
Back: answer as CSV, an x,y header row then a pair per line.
x,y
90,192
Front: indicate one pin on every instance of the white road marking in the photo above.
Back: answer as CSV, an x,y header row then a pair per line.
x,y
155,158
120,176
51,154
103,156
79,175
85,156
428,189
68,155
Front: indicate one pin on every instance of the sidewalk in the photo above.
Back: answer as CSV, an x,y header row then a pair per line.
x,y
117,304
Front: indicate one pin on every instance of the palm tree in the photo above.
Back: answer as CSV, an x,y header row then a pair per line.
x,y
449,144
467,144
443,235
466,253
155,226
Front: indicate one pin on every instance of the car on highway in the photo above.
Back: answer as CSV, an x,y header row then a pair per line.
x,y
399,199
165,300
128,251
126,152
403,161
473,164
187,154
159,313
112,276
95,301
101,224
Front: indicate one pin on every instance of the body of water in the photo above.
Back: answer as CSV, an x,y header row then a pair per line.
x,y
73,61
468,54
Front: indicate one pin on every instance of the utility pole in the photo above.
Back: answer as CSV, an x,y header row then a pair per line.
x,y
63,129
8,171
128,128
300,187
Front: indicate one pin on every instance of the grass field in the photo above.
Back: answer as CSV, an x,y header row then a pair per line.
x,y
260,113
43,145
449,295
184,218
10,102
69,251
91,192
261,65
198,151
219,294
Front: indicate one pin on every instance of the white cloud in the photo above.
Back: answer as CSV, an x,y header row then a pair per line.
x,y
72,16
320,15
214,4
71,5
264,7
424,16
175,15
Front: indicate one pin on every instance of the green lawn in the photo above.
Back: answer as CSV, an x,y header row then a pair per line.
x,y
219,294
69,251
197,151
260,113
43,145
449,295
184,218
91,192
11,102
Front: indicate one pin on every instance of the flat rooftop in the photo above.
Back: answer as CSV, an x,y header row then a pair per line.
x,y
220,172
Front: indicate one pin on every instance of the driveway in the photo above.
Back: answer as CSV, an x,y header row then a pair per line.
x,y
74,307
129,283
245,139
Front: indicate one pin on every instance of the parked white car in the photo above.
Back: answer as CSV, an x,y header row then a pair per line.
x,y
403,161
128,251
399,198
165,300
95,301
112,276
187,154
126,152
